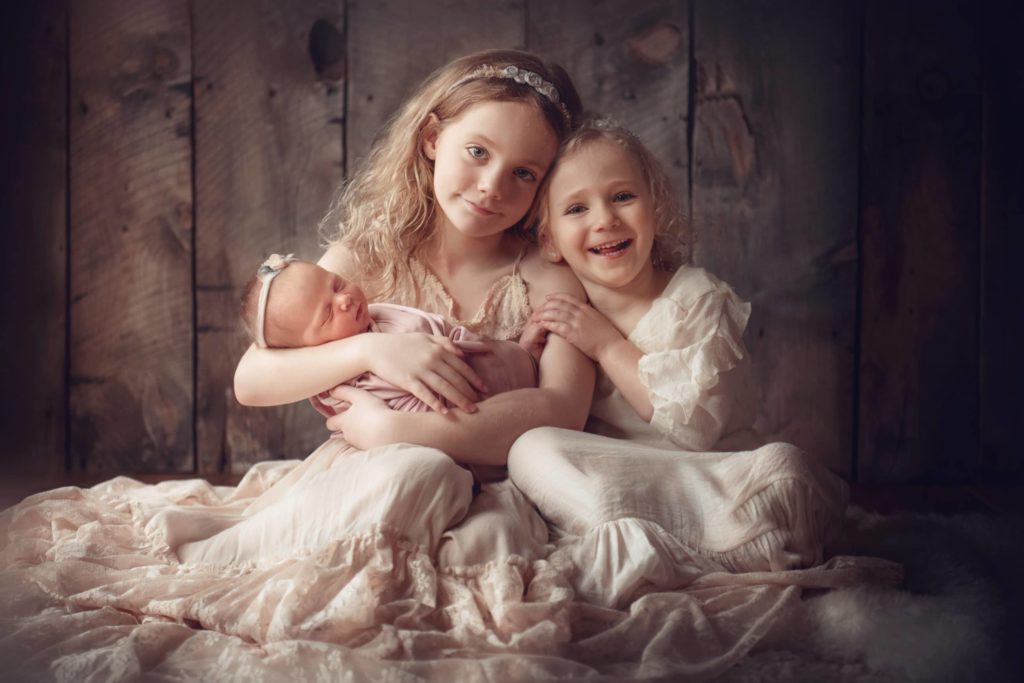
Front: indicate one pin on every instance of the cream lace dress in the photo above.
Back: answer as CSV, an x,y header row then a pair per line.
x,y
325,569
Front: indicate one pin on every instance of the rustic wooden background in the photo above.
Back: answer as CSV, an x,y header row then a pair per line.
x,y
852,168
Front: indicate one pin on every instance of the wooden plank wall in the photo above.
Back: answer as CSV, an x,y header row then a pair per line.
x,y
130,174
33,208
775,205
840,163
920,227
269,105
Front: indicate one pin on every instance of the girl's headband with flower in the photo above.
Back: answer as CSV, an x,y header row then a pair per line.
x,y
266,273
523,76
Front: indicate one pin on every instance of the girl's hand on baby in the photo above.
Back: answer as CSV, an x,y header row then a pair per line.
x,y
361,418
578,323
428,367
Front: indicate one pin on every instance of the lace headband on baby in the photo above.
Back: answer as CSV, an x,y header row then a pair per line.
x,y
266,273
524,76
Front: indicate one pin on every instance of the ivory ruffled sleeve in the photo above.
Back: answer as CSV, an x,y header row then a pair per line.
x,y
696,367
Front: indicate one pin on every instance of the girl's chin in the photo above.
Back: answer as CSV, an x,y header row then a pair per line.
x,y
479,228
615,274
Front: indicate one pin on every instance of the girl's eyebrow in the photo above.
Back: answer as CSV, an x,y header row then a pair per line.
x,y
607,185
572,195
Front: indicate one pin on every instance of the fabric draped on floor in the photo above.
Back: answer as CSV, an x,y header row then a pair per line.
x,y
91,588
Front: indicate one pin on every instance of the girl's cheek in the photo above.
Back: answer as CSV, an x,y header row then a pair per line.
x,y
530,190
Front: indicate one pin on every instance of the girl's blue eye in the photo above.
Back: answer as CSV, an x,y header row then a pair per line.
x,y
624,196
524,174
575,209
476,152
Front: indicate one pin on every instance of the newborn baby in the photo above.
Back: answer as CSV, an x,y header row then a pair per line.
x,y
308,305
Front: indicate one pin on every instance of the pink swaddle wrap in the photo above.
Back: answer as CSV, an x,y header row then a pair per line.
x,y
502,365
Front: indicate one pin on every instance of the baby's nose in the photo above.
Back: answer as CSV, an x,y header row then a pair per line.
x,y
344,301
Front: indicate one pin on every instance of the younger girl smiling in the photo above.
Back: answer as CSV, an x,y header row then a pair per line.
x,y
684,486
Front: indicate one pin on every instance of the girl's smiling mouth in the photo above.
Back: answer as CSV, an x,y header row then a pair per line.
x,y
612,249
479,210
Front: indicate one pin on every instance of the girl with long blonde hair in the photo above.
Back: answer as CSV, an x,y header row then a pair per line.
x,y
436,219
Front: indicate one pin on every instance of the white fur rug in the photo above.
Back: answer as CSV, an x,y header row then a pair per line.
x,y
958,617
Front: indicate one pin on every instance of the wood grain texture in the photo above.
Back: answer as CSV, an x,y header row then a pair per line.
x,y
920,223
269,105
629,60
131,344
775,155
1001,408
33,195
393,46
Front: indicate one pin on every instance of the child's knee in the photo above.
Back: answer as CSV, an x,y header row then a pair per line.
x,y
785,459
533,448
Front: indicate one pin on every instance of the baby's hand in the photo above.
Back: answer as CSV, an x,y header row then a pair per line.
x,y
578,323
533,339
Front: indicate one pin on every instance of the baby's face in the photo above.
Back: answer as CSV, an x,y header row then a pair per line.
x,y
309,305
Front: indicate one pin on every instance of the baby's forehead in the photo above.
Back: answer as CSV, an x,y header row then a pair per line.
x,y
293,284
302,272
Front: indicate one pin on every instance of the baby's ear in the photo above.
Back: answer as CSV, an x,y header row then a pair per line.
x,y
547,247
429,134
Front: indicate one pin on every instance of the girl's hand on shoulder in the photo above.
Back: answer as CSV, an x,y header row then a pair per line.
x,y
533,338
428,367
578,323
362,418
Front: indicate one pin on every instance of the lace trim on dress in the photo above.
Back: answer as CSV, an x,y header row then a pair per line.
x,y
503,313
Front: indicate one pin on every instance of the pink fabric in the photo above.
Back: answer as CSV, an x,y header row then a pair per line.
x,y
502,365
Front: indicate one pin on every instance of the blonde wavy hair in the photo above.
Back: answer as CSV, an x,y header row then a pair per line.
x,y
387,210
669,251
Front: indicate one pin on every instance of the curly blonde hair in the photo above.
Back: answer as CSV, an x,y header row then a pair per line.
x,y
387,210
669,251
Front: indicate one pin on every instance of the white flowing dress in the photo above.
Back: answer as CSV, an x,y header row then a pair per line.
x,y
654,505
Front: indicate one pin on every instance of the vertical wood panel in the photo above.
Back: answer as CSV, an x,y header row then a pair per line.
x,y
774,202
131,397
394,45
920,216
1002,323
629,60
33,193
269,106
